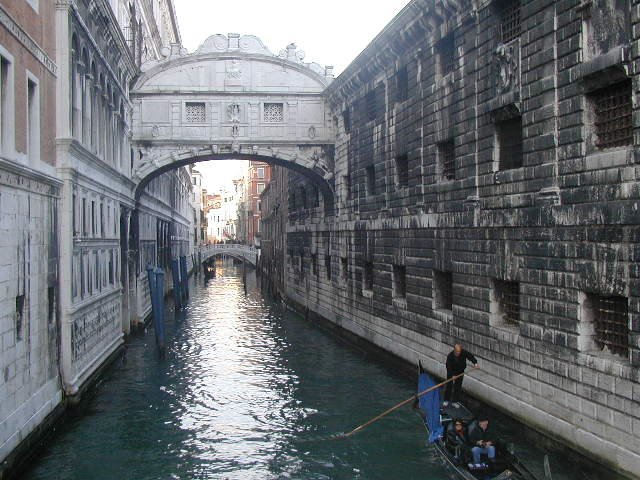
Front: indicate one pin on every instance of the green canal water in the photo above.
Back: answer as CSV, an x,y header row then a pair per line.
x,y
247,390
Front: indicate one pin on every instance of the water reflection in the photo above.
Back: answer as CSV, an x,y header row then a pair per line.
x,y
245,391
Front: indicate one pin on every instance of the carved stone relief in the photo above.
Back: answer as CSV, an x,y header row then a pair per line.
x,y
506,64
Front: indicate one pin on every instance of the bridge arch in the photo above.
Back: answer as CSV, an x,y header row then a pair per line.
x,y
233,99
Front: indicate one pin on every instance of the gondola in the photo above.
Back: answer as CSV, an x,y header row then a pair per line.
x,y
437,419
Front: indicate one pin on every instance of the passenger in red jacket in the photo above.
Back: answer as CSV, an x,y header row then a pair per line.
x,y
456,363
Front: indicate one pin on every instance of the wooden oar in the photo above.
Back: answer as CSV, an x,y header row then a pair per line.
x,y
394,408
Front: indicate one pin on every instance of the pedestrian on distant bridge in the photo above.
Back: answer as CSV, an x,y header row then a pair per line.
x,y
456,364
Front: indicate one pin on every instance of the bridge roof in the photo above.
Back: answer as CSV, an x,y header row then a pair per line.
x,y
233,64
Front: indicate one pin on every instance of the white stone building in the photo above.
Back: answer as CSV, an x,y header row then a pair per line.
x,y
29,211
222,219
98,57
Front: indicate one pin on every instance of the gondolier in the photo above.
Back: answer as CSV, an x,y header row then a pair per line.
x,y
456,363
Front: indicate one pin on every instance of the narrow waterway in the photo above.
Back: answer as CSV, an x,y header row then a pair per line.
x,y
246,391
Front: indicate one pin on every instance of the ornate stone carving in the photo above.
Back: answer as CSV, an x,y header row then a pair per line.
x,y
233,112
312,132
233,69
95,327
506,64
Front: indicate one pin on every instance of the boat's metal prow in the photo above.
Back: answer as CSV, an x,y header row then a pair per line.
x,y
547,468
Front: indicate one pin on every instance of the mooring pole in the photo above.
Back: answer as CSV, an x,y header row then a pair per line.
x,y
184,277
159,318
175,275
244,274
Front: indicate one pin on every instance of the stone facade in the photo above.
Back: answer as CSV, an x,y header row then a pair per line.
x,y
258,178
486,186
274,220
29,209
69,251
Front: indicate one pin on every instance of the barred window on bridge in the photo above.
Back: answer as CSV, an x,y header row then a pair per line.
x,y
273,112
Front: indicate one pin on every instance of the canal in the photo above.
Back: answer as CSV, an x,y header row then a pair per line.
x,y
247,390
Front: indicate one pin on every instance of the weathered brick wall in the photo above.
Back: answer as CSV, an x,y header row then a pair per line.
x,y
561,226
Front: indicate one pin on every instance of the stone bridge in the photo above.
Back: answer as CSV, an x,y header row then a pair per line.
x,y
241,252
233,99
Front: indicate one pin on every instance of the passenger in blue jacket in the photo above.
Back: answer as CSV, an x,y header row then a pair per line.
x,y
456,363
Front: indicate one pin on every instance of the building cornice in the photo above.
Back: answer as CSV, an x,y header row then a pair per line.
x,y
419,18
115,33
25,39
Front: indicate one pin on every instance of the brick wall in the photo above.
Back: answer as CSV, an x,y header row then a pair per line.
x,y
474,162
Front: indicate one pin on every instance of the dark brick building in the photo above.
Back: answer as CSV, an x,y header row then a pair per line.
x,y
486,191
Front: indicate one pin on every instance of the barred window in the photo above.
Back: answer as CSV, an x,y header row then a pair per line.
x,y
346,118
611,321
367,282
370,105
273,112
509,136
613,120
443,290
399,281
507,301
314,264
447,154
402,79
509,20
447,55
195,112
345,267
371,180
402,170
327,266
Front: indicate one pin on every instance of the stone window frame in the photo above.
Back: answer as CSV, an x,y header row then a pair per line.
x,y
184,113
500,125
263,113
497,309
445,148
588,342
442,290
33,117
597,73
594,119
446,55
7,102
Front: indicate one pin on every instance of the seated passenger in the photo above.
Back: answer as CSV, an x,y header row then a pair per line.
x,y
457,438
481,440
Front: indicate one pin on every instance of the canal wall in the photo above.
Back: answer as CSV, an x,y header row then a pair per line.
x,y
483,198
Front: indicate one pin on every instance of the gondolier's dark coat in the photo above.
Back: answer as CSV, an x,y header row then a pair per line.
x,y
456,365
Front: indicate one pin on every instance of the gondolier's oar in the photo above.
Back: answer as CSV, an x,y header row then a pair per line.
x,y
401,404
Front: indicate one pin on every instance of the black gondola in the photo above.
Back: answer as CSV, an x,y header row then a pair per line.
x,y
437,419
